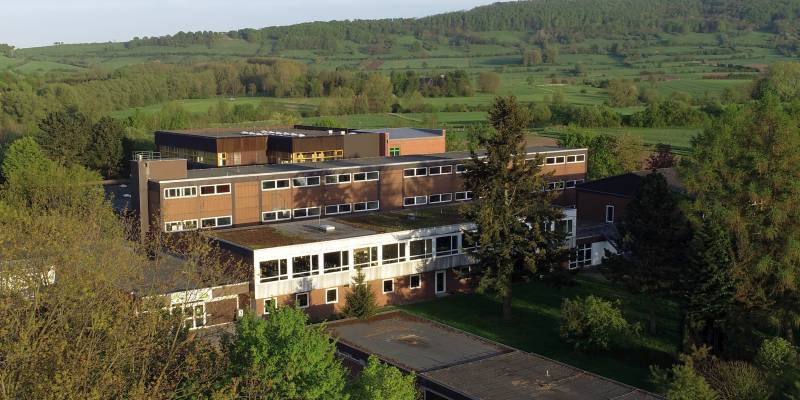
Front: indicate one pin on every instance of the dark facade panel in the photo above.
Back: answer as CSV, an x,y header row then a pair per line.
x,y
172,139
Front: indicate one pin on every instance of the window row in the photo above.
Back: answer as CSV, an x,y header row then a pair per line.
x,y
308,212
346,208
576,158
205,223
191,191
362,257
306,181
561,185
428,171
436,198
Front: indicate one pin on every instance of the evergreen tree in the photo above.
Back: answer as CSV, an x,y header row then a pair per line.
x,y
65,135
382,381
653,234
105,150
514,216
282,358
360,301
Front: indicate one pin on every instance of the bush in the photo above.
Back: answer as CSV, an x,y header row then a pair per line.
x,y
776,355
682,382
592,323
737,380
382,381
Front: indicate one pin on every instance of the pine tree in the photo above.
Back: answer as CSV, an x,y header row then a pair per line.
x,y
105,150
653,235
513,214
360,302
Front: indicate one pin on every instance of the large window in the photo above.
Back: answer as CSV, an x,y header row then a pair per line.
x,y
194,315
337,209
576,158
365,257
178,226
305,266
278,215
440,170
463,196
274,270
394,253
554,160
412,172
419,249
216,222
275,184
581,256
337,179
366,176
335,261
566,226
305,181
366,206
306,212
440,198
446,245
609,213
415,201
175,193
210,190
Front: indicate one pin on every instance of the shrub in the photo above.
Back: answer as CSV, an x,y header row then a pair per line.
x,y
682,382
592,323
382,381
776,354
737,380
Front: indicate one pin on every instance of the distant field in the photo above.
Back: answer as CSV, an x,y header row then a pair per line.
x,y
679,138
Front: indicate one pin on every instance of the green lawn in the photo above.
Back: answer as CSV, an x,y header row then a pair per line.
x,y
679,138
535,327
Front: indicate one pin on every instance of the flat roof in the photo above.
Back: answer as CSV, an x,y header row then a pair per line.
x,y
406,133
267,169
219,133
346,226
472,366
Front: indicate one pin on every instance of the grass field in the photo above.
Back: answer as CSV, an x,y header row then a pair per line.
x,y
535,327
679,138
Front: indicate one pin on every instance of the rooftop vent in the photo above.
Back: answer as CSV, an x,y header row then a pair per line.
x,y
326,228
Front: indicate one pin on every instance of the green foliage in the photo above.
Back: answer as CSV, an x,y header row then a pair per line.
x,y
682,382
608,155
105,152
782,80
776,355
513,213
592,324
622,93
282,358
737,380
65,135
383,381
489,82
360,301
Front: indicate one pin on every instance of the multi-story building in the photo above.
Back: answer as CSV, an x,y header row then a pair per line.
x,y
180,199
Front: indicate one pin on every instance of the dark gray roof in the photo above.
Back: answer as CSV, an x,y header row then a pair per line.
x,y
406,133
217,133
342,164
626,185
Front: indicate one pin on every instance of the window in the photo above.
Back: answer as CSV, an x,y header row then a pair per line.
x,y
394,253
461,168
194,315
176,193
215,222
554,160
576,158
446,245
276,184
337,209
366,176
463,196
420,249
394,151
302,300
581,257
270,304
305,266
366,206
305,181
559,185
336,179
440,198
440,284
306,212
388,285
440,170
609,213
336,261
565,225
332,296
415,281
412,172
274,270
573,183
365,257
279,215
415,201
178,226
210,190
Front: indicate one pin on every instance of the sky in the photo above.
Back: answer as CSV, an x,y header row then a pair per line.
x,y
29,23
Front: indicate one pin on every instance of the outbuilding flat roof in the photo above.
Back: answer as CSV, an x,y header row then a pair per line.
x,y
406,133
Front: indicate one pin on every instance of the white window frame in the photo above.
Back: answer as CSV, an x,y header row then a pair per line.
x,y
182,226
366,204
428,253
462,167
444,282
275,181
193,318
344,260
610,207
279,277
467,196
375,175
577,158
453,249
440,170
420,171
581,256
312,269
287,215
336,290
442,198
373,262
306,209
348,208
419,281
305,183
399,259
418,201
267,301
338,179
297,299
216,189
383,285
181,192
216,222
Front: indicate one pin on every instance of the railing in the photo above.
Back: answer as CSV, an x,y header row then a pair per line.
x,y
146,155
